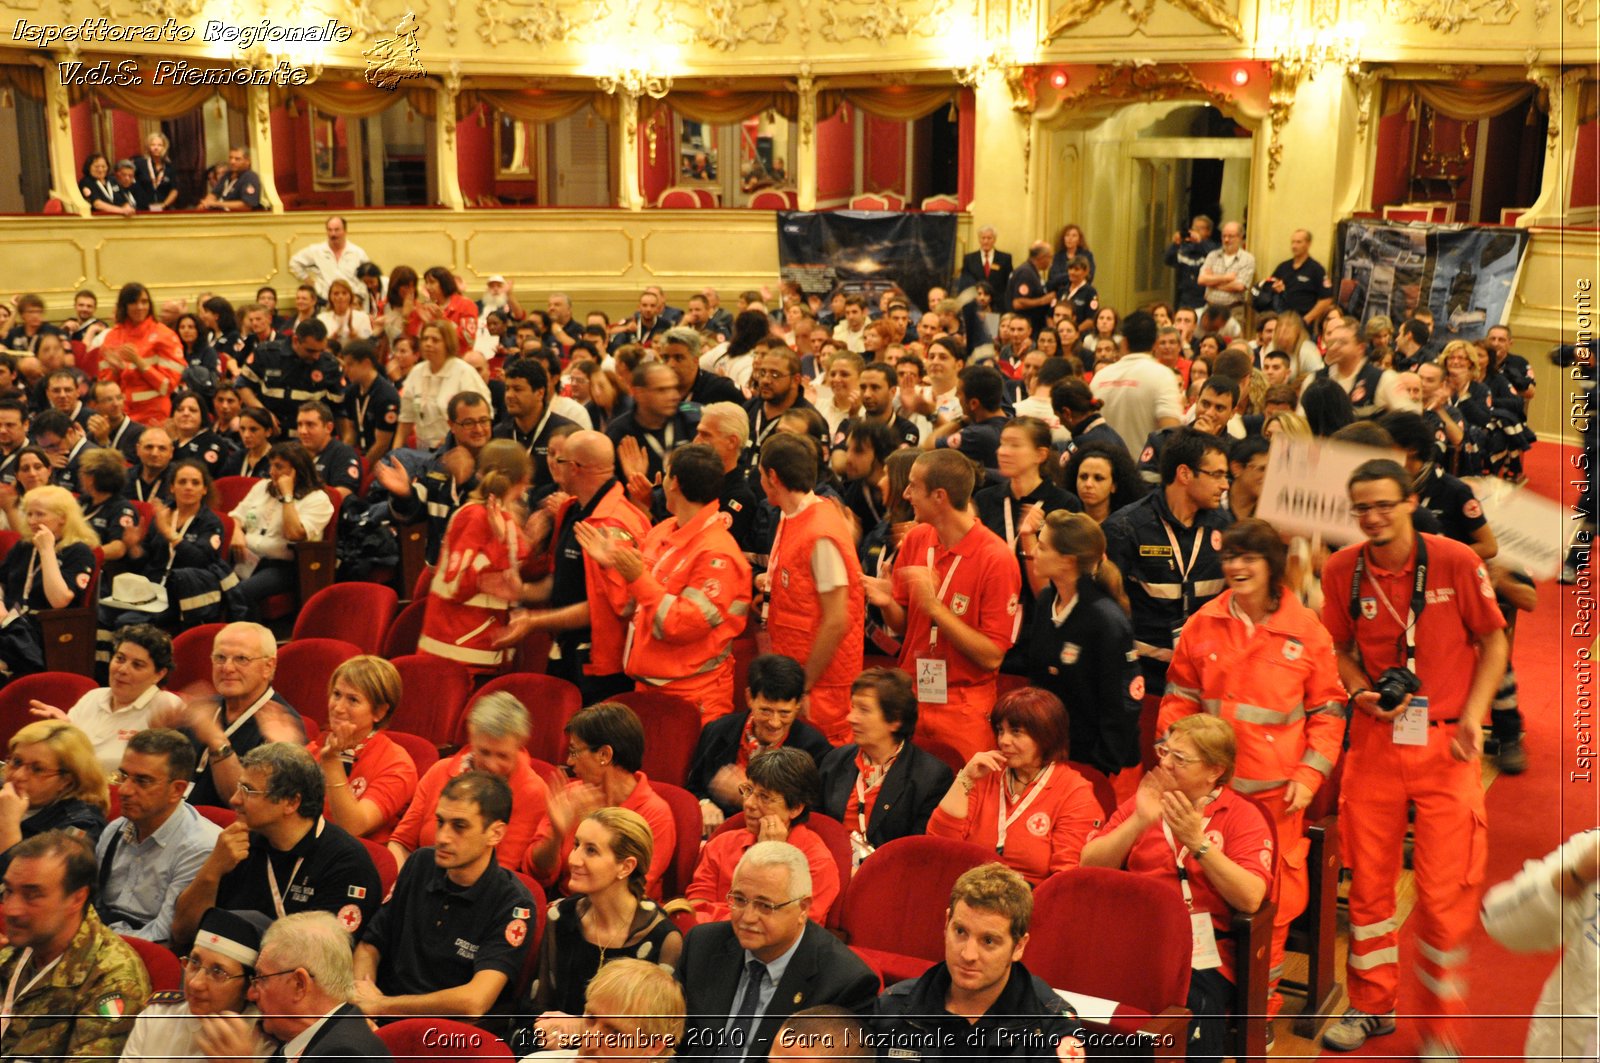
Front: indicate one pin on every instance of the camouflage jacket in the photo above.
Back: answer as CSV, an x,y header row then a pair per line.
x,y
82,1009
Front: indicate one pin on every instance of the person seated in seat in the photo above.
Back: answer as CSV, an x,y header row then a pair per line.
x,y
256,429
217,975
778,798
1185,812
605,751
1022,798
882,786
411,960
605,915
140,659
369,777
193,436
497,736
33,471
632,1009
51,568
775,692
53,782
288,507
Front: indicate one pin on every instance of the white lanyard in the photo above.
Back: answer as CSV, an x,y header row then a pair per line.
x,y
1179,851
116,437
12,994
25,606
362,402
861,788
933,629
205,755
1177,559
272,876
1002,821
538,429
669,431
172,548
105,190
227,186
1011,534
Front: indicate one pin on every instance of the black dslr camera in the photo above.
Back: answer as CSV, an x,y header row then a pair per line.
x,y
1393,686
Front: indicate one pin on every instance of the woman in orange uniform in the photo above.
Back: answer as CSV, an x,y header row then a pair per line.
x,y
142,355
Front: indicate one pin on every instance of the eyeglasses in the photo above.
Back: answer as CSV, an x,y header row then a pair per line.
x,y
17,764
1382,509
249,791
762,797
1215,474
143,782
773,712
476,422
1166,752
738,902
214,974
237,660
770,374
257,979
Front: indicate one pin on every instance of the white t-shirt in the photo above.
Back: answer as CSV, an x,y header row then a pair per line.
x,y
425,398
355,325
572,410
260,516
1135,393
109,731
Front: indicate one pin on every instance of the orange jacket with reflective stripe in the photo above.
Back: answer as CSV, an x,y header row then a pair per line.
x,y
795,614
1278,685
691,601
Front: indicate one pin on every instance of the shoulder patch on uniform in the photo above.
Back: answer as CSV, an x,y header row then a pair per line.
x,y
167,996
110,1006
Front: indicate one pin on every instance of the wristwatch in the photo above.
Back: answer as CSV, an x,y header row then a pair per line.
x,y
221,753
1203,850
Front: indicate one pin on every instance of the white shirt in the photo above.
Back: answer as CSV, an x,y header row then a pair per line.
x,y
108,730
165,1033
855,341
426,395
1386,383
1242,264
260,516
295,1047
831,412
1035,406
321,266
1135,392
355,325
572,410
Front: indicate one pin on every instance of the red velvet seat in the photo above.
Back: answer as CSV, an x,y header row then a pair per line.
x,y
671,732
166,973
217,814
550,703
892,911
231,491
690,824
356,612
1104,792
304,668
401,638
433,1039
424,754
530,962
61,689
433,694
383,860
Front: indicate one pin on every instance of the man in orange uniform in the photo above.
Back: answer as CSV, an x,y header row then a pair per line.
x,y
690,588
1259,659
585,606
816,614
954,597
1384,598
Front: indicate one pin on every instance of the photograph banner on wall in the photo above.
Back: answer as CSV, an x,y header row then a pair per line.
x,y
867,251
1464,274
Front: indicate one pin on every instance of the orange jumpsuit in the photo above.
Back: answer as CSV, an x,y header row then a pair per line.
x,y
1277,683
148,390
608,595
465,608
1381,777
690,603
795,610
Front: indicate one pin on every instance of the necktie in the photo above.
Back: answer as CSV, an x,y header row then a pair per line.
x,y
986,264
744,1018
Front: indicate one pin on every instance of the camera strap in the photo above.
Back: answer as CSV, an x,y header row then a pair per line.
x,y
1419,601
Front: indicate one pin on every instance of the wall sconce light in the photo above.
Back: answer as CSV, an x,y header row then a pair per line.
x,y
1240,75
1058,79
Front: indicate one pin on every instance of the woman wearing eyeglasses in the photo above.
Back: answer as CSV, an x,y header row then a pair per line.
x,y
53,782
51,568
778,799
1257,658
605,916
1186,826
439,376
216,979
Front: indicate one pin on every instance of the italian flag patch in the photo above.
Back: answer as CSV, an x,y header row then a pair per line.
x,y
110,1006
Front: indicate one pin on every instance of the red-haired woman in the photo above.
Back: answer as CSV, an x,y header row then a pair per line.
x,y
1022,798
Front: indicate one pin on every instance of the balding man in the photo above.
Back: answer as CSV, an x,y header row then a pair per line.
x,y
1229,271
153,478
335,259
584,611
985,264
1027,293
1299,283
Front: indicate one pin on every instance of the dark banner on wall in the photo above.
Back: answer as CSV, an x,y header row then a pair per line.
x,y
867,251
1464,274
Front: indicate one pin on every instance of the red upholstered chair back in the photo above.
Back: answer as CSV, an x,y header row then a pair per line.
x,y
686,818
530,962
356,612
231,491
424,754
550,703
403,634
384,861
433,1039
769,199
1129,939
61,689
678,198
896,900
217,814
941,203
8,539
1104,792
671,732
166,973
303,671
433,694
191,658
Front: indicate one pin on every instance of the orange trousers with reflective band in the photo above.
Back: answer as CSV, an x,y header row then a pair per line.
x,y
1293,887
961,723
1448,855
712,693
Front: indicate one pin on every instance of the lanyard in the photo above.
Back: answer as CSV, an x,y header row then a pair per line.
x,y
362,402
1179,852
538,429
12,994
1177,559
272,876
1419,600
227,187
227,732
669,431
106,190
862,790
172,548
1011,534
933,629
25,606
1002,821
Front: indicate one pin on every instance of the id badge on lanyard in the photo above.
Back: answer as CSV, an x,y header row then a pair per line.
x,y
1204,955
1183,572
933,675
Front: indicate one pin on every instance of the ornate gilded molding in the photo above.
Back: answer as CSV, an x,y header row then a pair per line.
x,y
1280,107
1076,12
1581,12
730,23
1448,16
805,87
1142,81
538,23
882,20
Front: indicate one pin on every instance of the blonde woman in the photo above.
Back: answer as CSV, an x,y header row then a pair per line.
x,y
477,581
51,568
604,917
344,320
439,376
369,777
53,782
1294,339
632,1009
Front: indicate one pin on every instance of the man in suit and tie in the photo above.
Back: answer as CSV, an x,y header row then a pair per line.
x,y
985,264
302,985
743,978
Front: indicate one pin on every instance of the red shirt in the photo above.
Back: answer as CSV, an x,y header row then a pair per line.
x,y
528,798
384,774
713,875
983,592
1235,826
864,791
645,801
1460,609
1045,837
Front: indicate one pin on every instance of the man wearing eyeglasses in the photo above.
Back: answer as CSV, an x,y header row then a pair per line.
x,y
71,985
742,978
655,425
1168,547
154,850
1384,599
776,381
448,477
246,712
280,856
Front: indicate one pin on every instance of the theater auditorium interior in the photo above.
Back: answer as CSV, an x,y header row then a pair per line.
x,y
436,193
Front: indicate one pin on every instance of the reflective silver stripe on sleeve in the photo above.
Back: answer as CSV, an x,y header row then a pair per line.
x,y
1267,717
656,624
1169,592
697,597
1318,761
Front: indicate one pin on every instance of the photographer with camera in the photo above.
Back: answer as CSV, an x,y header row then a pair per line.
x,y
1416,732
